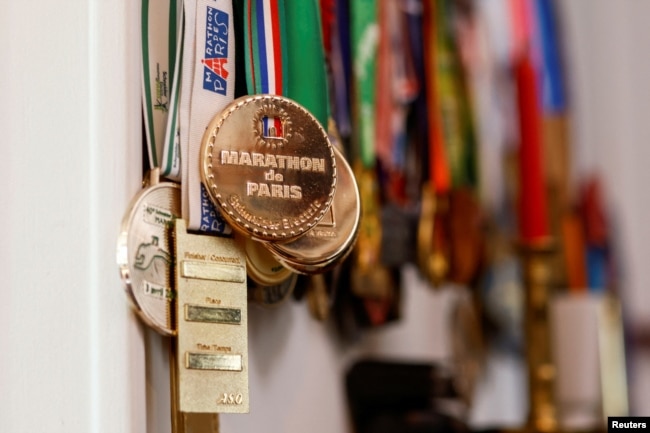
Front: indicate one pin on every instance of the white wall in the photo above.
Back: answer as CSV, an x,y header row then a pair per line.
x,y
297,364
608,66
610,101
73,356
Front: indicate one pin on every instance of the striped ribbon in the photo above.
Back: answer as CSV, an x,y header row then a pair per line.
x,y
160,36
265,46
282,38
265,53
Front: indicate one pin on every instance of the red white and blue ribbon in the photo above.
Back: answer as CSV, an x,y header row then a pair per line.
x,y
265,47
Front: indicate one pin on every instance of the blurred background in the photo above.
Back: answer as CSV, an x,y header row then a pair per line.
x,y
499,126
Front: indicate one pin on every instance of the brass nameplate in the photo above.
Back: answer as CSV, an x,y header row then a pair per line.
x,y
204,361
211,329
195,313
213,271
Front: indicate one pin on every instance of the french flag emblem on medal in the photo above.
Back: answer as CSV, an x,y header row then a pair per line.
x,y
272,127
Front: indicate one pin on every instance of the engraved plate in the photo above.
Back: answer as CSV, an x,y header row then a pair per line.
x,y
213,271
334,236
195,313
144,254
272,183
208,361
213,350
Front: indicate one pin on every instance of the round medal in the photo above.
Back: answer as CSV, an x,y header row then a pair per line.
x,y
334,236
144,253
268,164
261,266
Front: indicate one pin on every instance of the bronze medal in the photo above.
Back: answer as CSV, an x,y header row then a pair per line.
x,y
269,165
144,254
334,236
465,236
433,254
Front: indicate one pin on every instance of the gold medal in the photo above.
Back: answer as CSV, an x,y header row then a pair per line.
x,y
466,237
369,277
144,254
439,262
425,229
432,254
334,236
268,164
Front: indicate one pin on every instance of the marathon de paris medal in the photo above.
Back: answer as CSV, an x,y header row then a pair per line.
x,y
144,254
334,236
270,167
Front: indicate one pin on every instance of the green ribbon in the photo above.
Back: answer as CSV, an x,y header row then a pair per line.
x,y
306,71
364,34
460,142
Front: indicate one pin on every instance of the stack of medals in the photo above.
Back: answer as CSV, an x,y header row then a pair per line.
x,y
289,195
264,195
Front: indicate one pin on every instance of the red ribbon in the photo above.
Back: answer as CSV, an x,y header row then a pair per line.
x,y
533,217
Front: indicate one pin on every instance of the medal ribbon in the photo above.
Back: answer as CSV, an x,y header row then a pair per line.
x,y
265,46
365,36
161,34
208,86
396,86
452,100
284,54
439,174
340,67
265,53
533,222
553,93
306,58
384,103
170,164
